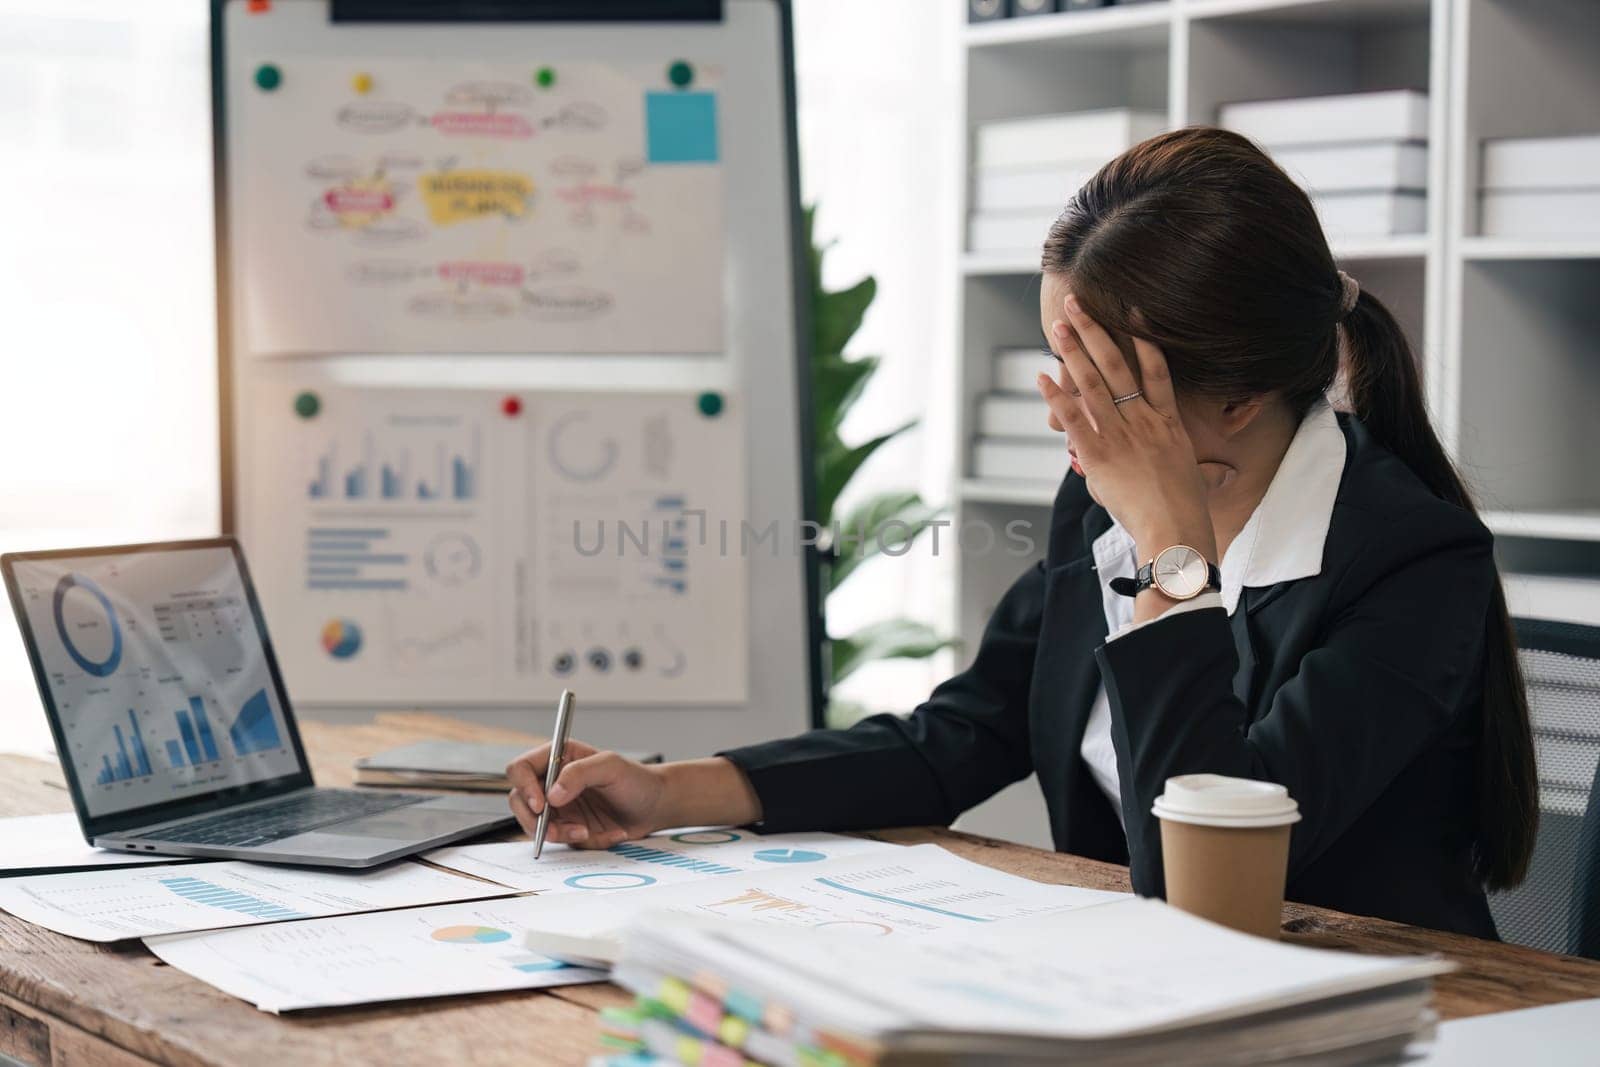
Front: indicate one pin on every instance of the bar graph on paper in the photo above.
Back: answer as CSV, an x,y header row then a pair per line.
x,y
215,896
399,466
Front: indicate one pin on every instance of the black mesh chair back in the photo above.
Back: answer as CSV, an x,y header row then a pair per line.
x,y
1558,907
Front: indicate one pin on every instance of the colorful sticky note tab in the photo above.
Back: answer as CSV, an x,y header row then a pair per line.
x,y
681,127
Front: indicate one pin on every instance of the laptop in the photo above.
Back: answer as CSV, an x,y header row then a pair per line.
x,y
173,724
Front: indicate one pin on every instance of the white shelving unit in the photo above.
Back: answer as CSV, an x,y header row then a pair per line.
x,y
1506,330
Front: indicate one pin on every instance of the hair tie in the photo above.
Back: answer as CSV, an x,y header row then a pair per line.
x,y
1351,292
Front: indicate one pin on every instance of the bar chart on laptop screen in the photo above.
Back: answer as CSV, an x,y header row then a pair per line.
x,y
157,673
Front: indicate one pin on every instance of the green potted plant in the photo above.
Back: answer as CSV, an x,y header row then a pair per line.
x,y
890,519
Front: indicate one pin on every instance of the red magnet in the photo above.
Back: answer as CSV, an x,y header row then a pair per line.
x,y
511,406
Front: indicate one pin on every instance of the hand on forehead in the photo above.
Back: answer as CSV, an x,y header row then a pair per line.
x,y
1059,332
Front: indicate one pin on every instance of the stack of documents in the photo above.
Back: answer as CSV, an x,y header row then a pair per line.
x,y
1012,441
1134,981
1025,170
1363,157
1541,187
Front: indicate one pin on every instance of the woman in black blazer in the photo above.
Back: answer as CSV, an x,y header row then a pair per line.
x,y
1353,644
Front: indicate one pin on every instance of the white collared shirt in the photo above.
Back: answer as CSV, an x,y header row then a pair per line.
x,y
1281,542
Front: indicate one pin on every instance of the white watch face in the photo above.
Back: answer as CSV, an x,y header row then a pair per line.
x,y
1180,573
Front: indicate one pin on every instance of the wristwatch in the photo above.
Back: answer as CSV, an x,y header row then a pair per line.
x,y
1179,572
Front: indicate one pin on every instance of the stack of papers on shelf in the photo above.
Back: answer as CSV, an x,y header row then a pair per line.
x,y
1025,170
1363,157
904,893
1012,439
1541,187
1134,981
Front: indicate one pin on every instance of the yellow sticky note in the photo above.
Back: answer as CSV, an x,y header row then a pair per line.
x,y
733,1031
459,195
674,994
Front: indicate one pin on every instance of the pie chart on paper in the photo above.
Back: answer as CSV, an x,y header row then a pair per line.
x,y
789,855
471,935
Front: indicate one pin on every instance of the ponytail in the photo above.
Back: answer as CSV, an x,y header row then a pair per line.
x,y
1385,391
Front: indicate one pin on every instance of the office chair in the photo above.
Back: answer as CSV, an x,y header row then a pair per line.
x,y
1558,907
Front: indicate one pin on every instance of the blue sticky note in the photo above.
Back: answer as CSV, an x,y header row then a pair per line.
x,y
680,127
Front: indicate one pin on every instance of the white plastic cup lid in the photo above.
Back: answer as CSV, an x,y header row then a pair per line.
x,y
1217,800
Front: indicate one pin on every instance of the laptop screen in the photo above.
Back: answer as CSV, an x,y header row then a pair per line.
x,y
158,670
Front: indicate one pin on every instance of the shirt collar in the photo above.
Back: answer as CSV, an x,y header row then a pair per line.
x,y
1285,535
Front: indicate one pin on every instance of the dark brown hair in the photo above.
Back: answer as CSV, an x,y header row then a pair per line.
x,y
1223,257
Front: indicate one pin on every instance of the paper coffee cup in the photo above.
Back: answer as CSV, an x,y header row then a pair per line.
x,y
1225,847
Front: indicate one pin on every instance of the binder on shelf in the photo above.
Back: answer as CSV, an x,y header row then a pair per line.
x,y
987,10
1015,415
1347,215
1016,188
1010,231
1389,115
1012,459
1379,166
1016,369
1542,162
1047,140
1544,213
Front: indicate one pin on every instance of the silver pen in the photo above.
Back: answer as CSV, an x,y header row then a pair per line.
x,y
558,751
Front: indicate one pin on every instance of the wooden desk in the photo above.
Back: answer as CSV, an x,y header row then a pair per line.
x,y
69,1002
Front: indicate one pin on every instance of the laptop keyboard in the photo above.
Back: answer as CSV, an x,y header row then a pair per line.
x,y
292,815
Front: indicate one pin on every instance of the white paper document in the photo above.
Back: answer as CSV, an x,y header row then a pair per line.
x,y
113,905
43,842
668,858
455,212
917,889
435,547
1562,1035
363,959
1134,966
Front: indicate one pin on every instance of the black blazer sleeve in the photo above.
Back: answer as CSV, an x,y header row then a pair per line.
x,y
1401,647
968,741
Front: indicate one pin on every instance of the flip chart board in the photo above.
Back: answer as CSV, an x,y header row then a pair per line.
x,y
513,389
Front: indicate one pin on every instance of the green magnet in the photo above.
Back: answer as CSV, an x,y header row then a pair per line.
x,y
545,78
268,77
306,405
680,74
710,404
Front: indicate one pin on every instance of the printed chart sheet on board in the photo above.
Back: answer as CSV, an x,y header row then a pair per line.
x,y
407,206
484,545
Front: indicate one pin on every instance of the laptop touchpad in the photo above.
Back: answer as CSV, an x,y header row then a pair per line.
x,y
416,823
